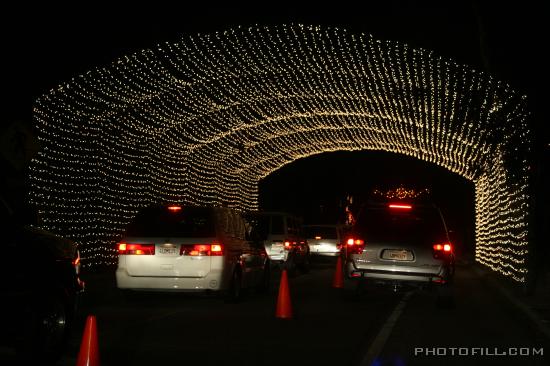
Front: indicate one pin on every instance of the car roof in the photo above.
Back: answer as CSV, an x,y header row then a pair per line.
x,y
272,213
323,225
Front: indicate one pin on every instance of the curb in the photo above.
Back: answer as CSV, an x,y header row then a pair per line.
x,y
532,315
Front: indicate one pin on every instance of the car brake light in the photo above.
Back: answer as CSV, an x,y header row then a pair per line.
x,y
76,263
196,250
289,244
446,247
400,206
442,249
136,249
174,208
355,246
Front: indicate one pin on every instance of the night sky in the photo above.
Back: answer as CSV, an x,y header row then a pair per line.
x,y
48,45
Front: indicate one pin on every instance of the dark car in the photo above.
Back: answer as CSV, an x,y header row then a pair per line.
x,y
39,291
401,244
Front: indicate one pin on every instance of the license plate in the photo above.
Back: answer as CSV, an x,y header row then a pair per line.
x,y
168,251
398,255
277,248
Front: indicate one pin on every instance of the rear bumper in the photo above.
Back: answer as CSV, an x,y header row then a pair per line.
x,y
213,281
326,254
393,274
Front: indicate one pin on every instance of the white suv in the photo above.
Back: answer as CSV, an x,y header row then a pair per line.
x,y
187,248
282,236
324,240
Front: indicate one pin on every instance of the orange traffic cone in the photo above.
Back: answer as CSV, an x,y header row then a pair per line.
x,y
338,280
89,350
284,307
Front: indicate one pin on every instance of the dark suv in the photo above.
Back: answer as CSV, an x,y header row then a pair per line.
x,y
39,291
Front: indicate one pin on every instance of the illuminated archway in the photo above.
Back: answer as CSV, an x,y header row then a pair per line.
x,y
202,120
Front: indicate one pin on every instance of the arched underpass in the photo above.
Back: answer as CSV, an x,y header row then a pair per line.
x,y
202,120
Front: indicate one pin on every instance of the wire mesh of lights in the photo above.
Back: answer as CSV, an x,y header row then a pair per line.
x,y
202,120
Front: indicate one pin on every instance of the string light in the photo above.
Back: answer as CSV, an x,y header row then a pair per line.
x,y
203,119
401,193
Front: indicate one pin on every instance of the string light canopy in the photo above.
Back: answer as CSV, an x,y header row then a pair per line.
x,y
202,120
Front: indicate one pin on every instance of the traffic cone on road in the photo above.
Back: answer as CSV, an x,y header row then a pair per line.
x,y
338,280
89,350
284,307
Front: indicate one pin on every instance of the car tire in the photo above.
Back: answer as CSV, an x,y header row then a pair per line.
x,y
48,330
265,281
234,292
354,289
445,297
306,264
290,265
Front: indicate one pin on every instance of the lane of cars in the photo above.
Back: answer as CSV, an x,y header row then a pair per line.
x,y
177,248
220,250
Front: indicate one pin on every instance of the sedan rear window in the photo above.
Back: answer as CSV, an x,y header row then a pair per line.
x,y
324,232
193,222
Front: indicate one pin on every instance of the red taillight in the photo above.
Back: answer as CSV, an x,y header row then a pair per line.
x,y
355,246
136,249
352,241
174,208
196,250
446,247
442,249
216,249
289,244
400,206
76,262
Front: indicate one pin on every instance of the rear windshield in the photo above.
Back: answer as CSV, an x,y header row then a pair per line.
x,y
259,226
194,222
382,224
277,225
324,232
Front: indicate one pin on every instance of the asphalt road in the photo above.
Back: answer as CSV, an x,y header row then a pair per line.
x,y
381,327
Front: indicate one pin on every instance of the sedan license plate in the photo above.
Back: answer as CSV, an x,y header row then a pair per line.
x,y
398,255
168,251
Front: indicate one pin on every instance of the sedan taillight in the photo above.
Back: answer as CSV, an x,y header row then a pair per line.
x,y
136,249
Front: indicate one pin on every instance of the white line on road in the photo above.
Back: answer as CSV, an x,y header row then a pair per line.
x,y
382,337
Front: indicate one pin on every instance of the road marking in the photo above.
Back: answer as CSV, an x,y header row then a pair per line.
x,y
380,341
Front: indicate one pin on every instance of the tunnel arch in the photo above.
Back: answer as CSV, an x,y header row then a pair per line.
x,y
202,120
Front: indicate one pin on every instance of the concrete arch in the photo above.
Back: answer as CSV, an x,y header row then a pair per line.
x,y
202,120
